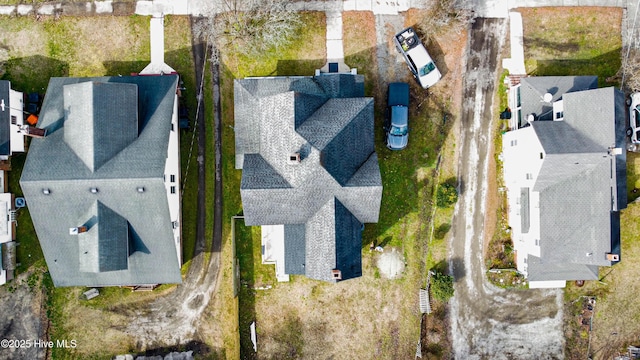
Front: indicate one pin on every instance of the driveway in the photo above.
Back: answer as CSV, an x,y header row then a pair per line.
x,y
488,322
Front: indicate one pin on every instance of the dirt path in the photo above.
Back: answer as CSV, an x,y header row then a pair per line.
x,y
486,321
173,319
22,319
390,62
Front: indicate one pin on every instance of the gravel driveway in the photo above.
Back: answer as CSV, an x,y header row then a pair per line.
x,y
488,322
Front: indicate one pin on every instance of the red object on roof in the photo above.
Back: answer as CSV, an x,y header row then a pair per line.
x,y
32,119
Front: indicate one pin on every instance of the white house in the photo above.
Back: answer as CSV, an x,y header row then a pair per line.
x,y
565,173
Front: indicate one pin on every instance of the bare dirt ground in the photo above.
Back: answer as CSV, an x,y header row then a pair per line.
x,y
391,264
488,322
22,312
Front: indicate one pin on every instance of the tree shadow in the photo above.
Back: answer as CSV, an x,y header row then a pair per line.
x,y
200,349
32,73
441,231
298,67
605,66
454,267
289,337
437,54
246,293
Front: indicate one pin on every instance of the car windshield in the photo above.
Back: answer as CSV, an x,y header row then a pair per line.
x,y
398,131
427,68
637,113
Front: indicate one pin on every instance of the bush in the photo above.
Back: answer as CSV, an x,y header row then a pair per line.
x,y
441,286
446,196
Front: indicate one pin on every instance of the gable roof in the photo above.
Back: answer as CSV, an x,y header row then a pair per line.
x,y
127,221
101,119
542,270
532,90
105,246
333,188
581,185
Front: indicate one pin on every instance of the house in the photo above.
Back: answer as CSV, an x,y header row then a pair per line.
x,y
103,185
565,174
11,120
7,231
310,174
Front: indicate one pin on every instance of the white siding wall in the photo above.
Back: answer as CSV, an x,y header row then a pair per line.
x,y
521,151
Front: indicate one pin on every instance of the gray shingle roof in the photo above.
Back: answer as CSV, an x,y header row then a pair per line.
x,y
100,119
105,246
334,243
582,186
533,88
540,270
294,249
328,121
575,216
5,119
52,164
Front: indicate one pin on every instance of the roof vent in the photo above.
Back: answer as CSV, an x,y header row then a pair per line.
x,y
46,191
141,189
94,190
336,274
615,151
294,158
77,230
547,97
531,117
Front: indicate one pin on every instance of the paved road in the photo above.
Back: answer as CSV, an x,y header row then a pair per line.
x,y
488,322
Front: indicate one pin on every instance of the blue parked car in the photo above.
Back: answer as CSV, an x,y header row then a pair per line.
x,y
397,125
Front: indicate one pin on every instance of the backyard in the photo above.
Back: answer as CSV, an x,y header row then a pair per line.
x,y
587,41
371,316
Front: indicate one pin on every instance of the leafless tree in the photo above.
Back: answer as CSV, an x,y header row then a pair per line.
x,y
629,72
250,26
454,15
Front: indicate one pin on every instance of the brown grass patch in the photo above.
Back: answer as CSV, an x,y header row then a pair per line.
x,y
119,40
617,309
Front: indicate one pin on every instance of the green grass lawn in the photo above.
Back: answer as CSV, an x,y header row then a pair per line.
x,y
73,47
94,47
404,218
291,60
572,41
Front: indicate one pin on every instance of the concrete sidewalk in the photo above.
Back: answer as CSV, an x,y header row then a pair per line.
x,y
515,64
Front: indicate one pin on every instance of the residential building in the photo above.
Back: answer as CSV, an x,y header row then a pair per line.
x,y
7,231
565,175
11,120
310,174
103,185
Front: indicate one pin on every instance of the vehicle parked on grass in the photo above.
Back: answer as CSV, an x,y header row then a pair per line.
x,y
634,118
397,126
417,58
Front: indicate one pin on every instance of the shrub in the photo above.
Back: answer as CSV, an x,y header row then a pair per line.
x,y
441,286
446,196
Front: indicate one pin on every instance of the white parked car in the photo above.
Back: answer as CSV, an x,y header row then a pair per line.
x,y
634,119
417,58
